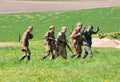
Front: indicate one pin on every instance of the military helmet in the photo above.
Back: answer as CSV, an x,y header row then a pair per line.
x,y
90,27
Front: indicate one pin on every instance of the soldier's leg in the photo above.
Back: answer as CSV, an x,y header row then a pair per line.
x,y
74,43
75,50
79,51
85,52
53,51
64,53
28,54
24,56
47,52
89,51
59,50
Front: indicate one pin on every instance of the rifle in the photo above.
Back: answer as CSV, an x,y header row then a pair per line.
x,y
69,47
66,44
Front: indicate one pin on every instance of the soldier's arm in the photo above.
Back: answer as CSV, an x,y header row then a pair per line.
x,y
47,37
95,32
24,39
31,35
59,38
74,35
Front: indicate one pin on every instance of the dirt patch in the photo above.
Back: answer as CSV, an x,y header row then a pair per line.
x,y
5,44
105,42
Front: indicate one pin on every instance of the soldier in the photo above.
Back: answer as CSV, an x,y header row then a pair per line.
x,y
76,39
101,36
25,44
87,42
61,43
116,35
49,40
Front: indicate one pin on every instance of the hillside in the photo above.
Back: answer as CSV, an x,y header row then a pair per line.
x,y
12,24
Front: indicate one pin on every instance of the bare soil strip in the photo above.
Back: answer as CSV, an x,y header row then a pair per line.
x,y
103,43
5,44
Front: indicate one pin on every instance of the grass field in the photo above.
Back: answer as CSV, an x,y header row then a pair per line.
x,y
12,24
103,67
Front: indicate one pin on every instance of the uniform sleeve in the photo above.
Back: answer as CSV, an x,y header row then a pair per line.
x,y
95,32
24,38
74,35
31,36
53,35
46,35
59,37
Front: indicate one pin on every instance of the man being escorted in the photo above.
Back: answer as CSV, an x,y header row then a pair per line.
x,y
76,39
61,43
87,42
25,44
49,40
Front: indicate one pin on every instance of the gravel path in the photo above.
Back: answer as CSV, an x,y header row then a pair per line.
x,y
12,6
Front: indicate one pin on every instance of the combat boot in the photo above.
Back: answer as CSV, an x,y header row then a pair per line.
x,y
72,56
53,57
22,58
28,57
44,57
79,56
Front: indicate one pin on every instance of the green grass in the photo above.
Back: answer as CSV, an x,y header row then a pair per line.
x,y
103,67
12,24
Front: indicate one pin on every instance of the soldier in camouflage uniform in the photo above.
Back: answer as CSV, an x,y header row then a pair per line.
x,y
61,43
25,44
49,40
87,42
76,39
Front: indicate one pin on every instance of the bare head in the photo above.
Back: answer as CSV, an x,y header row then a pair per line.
x,y
79,25
64,29
30,28
52,28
